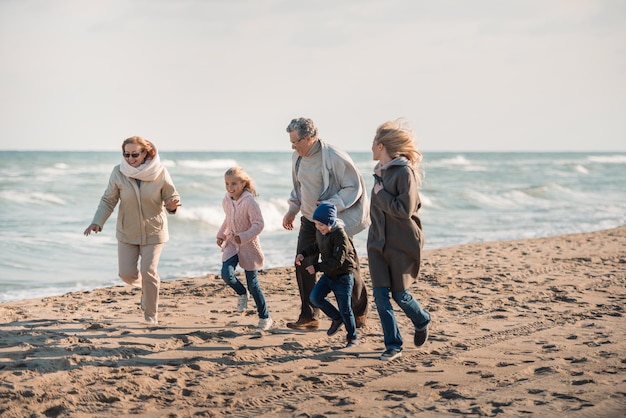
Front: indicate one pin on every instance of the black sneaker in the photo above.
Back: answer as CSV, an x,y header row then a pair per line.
x,y
334,327
420,337
389,355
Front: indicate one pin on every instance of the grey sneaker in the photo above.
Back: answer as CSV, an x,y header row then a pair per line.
x,y
352,343
265,324
242,302
389,355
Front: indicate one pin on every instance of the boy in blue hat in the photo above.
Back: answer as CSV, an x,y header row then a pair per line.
x,y
337,265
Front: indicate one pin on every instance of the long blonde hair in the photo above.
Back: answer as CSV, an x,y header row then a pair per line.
x,y
241,174
398,139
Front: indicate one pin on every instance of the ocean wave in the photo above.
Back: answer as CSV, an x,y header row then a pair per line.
x,y
553,191
23,197
608,159
478,199
458,160
273,211
581,169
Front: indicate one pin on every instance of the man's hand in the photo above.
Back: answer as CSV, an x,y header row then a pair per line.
x,y
288,220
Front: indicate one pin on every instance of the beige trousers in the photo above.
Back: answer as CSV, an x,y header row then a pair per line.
x,y
146,276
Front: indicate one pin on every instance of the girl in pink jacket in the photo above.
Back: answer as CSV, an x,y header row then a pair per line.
x,y
238,237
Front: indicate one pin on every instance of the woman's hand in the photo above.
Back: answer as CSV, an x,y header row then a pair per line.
x,y
92,228
299,259
219,242
172,205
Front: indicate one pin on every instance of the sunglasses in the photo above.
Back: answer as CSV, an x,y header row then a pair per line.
x,y
134,154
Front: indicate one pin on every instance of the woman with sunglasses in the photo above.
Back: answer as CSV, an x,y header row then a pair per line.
x,y
144,189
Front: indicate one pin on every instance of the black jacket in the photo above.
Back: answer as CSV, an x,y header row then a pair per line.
x,y
338,255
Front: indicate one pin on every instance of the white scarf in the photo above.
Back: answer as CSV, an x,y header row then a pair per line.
x,y
148,171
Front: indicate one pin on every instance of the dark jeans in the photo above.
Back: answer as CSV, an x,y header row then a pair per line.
x,y
409,305
252,279
306,280
342,288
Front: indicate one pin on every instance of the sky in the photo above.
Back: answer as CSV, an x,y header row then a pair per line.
x,y
229,75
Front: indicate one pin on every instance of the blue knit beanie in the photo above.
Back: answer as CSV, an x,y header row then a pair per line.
x,y
325,213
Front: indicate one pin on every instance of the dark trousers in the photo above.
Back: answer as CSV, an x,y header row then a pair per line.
x,y
306,281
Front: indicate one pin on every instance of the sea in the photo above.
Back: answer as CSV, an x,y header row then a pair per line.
x,y
48,198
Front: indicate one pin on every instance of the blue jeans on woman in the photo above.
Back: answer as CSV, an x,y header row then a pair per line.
x,y
228,275
342,288
410,306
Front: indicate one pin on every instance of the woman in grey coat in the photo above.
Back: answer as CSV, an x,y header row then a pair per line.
x,y
395,238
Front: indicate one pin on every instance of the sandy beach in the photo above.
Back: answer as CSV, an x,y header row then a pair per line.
x,y
519,328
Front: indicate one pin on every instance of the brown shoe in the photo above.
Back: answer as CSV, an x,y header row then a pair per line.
x,y
360,320
305,324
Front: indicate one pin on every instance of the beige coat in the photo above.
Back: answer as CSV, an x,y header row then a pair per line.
x,y
141,217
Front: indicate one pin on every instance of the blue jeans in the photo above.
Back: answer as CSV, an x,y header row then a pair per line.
x,y
228,275
410,306
342,288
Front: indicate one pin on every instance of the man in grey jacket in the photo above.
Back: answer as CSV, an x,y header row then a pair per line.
x,y
321,171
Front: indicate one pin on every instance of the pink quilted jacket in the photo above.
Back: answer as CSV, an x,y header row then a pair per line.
x,y
243,218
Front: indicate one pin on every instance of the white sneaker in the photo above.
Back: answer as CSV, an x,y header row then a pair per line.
x,y
265,323
149,320
242,302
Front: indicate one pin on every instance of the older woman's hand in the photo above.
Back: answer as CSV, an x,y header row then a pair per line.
x,y
92,228
172,205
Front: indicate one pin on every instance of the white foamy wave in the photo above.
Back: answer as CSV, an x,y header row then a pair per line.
x,y
42,292
581,169
458,161
608,159
474,168
63,169
553,191
209,215
55,170
481,200
32,197
273,212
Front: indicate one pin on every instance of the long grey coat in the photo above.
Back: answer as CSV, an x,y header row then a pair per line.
x,y
395,236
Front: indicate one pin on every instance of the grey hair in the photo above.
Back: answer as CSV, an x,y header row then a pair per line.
x,y
303,127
